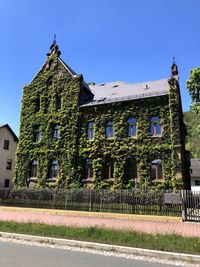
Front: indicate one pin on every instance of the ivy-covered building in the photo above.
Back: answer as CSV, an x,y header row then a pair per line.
x,y
119,135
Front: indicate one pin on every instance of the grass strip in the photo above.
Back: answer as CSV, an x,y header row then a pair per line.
x,y
172,242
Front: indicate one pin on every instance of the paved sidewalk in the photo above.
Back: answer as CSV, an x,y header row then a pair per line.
x,y
141,223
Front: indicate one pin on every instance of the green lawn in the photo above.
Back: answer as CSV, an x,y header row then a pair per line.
x,y
173,243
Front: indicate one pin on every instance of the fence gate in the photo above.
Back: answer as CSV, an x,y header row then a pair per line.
x,y
191,206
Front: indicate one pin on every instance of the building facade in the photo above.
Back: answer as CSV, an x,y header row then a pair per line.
x,y
118,135
8,146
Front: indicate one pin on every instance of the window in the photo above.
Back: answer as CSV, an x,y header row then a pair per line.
x,y
9,164
54,169
89,169
131,127
6,183
56,134
91,130
36,132
37,135
155,128
197,182
109,169
156,169
6,144
109,129
131,169
37,104
58,102
33,171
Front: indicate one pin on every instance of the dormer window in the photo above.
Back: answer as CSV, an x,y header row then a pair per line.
x,y
155,128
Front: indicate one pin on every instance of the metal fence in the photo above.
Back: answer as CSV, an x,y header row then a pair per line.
x,y
191,206
116,201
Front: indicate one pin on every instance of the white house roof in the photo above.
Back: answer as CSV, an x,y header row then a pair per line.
x,y
11,131
122,91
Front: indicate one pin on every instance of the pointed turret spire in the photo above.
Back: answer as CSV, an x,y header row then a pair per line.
x,y
174,69
54,48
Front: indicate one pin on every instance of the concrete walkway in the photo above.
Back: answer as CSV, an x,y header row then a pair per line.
x,y
140,223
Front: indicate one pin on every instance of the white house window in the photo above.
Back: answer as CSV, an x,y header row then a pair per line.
x,y
9,164
6,183
197,182
6,144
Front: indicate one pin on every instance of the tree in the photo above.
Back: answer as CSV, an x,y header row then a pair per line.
x,y
193,85
192,118
191,121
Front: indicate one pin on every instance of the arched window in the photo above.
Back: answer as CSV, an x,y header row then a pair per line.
x,y
54,169
56,134
109,129
33,170
89,169
155,128
156,169
131,127
91,130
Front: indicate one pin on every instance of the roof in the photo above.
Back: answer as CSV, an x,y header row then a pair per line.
x,y
74,74
11,131
70,70
122,91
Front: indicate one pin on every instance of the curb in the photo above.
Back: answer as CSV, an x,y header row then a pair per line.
x,y
195,259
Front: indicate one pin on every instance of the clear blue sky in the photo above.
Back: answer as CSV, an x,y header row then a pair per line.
x,y
105,40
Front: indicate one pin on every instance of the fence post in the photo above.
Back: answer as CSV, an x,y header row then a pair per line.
x,y
66,199
184,208
90,207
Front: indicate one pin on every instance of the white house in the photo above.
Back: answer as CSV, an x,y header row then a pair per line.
x,y
195,174
8,145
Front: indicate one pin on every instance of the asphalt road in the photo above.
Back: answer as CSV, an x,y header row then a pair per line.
x,y
22,255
